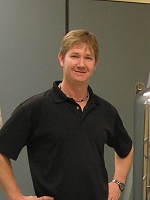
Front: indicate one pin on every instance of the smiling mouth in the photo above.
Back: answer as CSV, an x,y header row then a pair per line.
x,y
80,72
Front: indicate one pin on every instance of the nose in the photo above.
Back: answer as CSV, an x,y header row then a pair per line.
x,y
81,63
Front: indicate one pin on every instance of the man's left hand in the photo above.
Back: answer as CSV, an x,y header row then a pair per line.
x,y
114,191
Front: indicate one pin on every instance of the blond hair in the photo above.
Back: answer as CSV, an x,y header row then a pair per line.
x,y
76,37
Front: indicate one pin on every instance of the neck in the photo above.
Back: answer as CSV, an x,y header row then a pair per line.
x,y
77,92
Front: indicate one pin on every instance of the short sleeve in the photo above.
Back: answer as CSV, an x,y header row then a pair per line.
x,y
14,133
119,139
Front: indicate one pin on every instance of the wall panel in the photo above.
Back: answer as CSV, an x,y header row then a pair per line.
x,y
123,30
30,33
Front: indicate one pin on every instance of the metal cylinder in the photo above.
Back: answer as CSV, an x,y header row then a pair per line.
x,y
141,164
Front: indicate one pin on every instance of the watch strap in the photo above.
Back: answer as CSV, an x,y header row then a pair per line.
x,y
120,184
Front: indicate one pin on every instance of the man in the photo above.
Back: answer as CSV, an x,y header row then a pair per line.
x,y
65,130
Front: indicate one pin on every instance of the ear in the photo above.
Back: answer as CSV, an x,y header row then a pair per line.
x,y
96,65
61,59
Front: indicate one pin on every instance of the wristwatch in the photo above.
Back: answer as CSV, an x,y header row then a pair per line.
x,y
120,184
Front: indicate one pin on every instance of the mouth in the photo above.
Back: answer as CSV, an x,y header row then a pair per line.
x,y
82,72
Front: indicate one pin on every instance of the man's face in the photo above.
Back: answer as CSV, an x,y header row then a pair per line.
x,y
78,63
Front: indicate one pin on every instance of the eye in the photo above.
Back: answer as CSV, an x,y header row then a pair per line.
x,y
89,58
74,56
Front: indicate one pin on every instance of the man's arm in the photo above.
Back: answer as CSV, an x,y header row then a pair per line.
x,y
122,168
7,180
9,184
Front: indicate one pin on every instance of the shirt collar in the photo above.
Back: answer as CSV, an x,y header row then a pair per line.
x,y
59,96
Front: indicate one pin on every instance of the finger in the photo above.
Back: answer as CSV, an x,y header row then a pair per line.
x,y
33,197
45,198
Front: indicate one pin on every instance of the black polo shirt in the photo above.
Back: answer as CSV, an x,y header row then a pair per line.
x,y
65,145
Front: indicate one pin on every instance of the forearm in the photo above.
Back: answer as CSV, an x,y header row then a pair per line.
x,y
7,180
122,166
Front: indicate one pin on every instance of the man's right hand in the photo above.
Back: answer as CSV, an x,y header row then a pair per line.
x,y
35,198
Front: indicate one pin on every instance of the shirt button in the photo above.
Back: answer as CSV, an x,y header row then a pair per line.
x,y
78,108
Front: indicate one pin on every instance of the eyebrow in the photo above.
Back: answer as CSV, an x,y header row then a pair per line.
x,y
86,54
